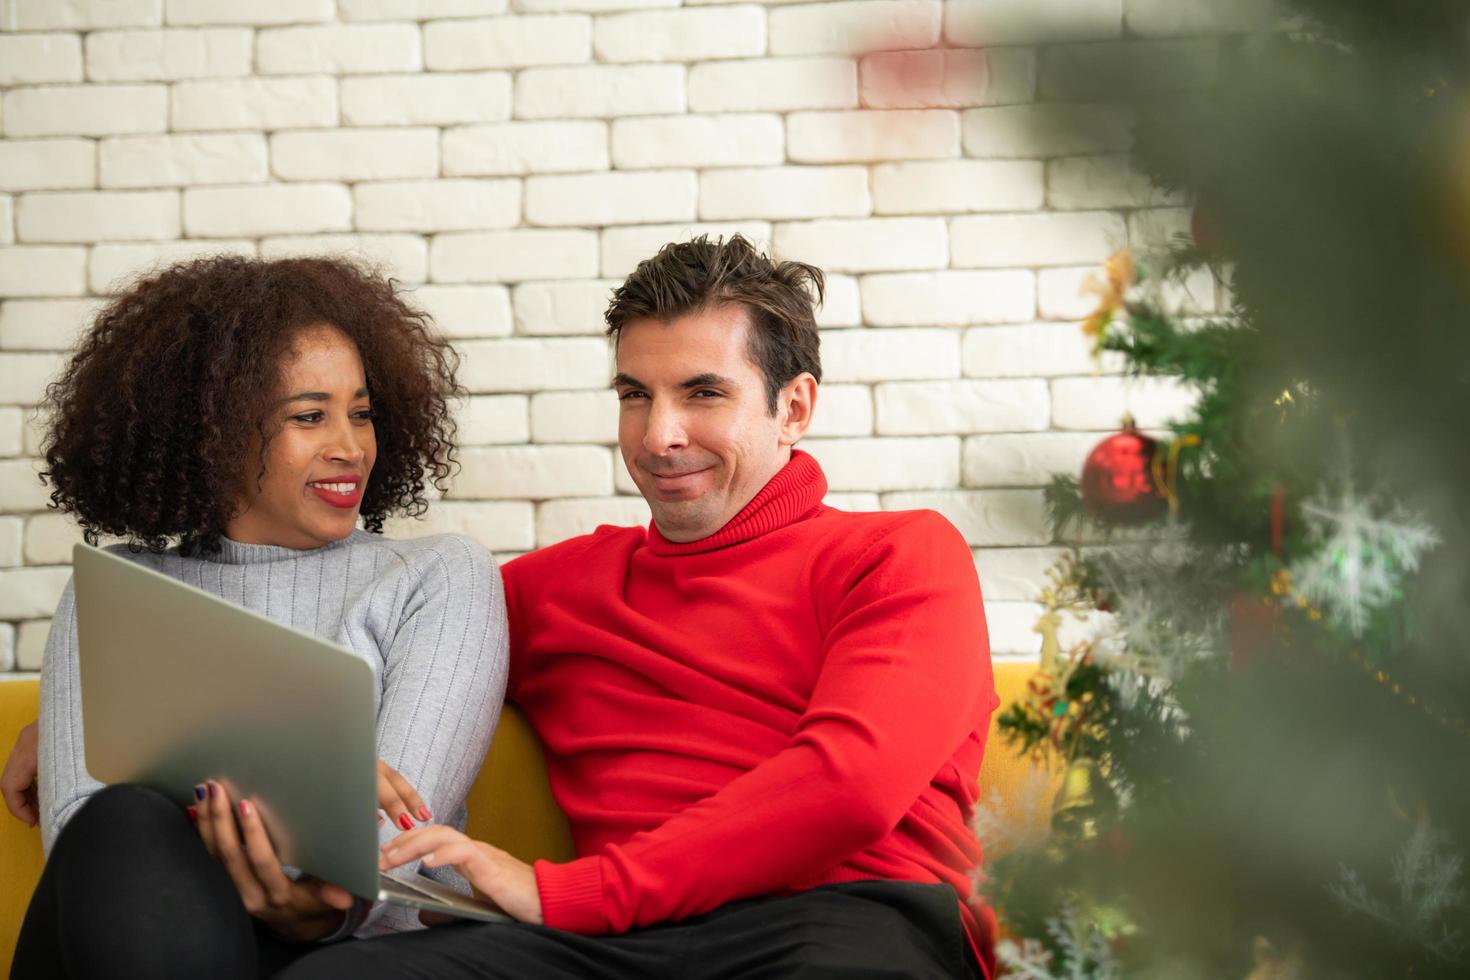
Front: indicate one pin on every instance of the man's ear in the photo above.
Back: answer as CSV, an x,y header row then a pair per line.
x,y
795,405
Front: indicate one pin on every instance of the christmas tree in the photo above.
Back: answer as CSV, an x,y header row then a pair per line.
x,y
1265,747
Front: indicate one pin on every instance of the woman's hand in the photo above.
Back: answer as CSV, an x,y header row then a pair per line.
x,y
298,910
18,783
398,799
504,880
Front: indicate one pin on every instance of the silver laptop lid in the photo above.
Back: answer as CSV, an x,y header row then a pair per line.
x,y
179,686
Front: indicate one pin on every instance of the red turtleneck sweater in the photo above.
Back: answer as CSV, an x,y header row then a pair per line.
x,y
799,699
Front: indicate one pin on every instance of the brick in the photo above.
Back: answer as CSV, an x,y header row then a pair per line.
x,y
843,410
339,49
1029,460
525,147
507,42
498,525
551,308
168,55
943,187
1010,240
1116,70
612,199
623,248
426,100
26,593
1065,293
21,490
1101,182
575,416
513,256
7,220
866,245
112,267
43,270
784,192
1095,404
737,31
401,257
256,12
1193,293
437,205
7,646
87,216
35,434
34,59
41,15
599,91
881,355
947,78
11,530
923,408
1184,18
533,472
887,464
355,154
24,376
252,212
50,539
589,6
30,643
717,140
1046,129
47,164
466,311
1012,629
872,134
523,364
773,85
417,9
622,481
253,104
852,502
486,420
1157,228
1031,350
175,161
12,421
986,518
44,324
841,303
1014,573
855,26
994,22
85,110
947,298
558,520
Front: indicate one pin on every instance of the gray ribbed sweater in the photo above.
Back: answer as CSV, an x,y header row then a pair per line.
x,y
428,614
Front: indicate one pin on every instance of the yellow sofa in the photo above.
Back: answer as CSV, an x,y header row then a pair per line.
x,y
510,803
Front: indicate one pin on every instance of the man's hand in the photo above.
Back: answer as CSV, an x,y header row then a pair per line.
x,y
507,882
18,783
298,910
398,799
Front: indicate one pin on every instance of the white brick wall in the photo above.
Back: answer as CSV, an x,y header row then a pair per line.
x,y
945,162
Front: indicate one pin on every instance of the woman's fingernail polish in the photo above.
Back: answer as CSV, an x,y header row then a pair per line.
x,y
405,821
245,808
193,814
424,814
210,788
198,792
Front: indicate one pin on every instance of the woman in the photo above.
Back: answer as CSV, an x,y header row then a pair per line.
x,y
233,419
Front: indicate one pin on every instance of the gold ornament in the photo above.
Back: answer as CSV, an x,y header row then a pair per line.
x,y
1082,802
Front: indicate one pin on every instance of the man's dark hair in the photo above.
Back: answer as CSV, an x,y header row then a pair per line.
x,y
152,423
689,277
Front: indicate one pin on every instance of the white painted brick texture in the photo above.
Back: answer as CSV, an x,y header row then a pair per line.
x,y
953,166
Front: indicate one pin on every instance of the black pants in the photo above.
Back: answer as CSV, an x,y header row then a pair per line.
x,y
129,891
859,931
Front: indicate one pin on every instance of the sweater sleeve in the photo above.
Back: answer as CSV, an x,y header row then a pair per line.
x,y
443,682
61,760
905,680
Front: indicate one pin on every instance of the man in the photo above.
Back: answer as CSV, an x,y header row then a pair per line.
x,y
764,718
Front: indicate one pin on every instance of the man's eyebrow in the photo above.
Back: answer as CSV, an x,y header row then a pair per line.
x,y
621,380
707,380
319,396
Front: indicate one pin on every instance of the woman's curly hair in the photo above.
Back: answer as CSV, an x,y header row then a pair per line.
x,y
153,421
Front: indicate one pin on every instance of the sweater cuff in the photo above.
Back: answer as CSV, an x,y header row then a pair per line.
x,y
571,895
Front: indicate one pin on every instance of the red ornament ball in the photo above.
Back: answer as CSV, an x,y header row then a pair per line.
x,y
1118,483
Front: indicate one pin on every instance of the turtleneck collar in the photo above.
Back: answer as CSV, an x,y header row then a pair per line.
x,y
793,493
236,553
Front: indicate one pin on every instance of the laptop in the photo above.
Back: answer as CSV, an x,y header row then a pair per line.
x,y
180,686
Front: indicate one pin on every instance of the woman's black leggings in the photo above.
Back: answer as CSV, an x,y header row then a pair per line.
x,y
129,891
